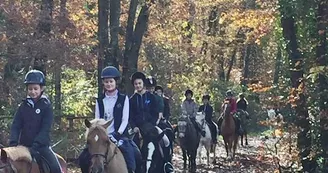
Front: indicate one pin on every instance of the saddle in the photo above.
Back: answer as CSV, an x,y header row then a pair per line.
x,y
42,163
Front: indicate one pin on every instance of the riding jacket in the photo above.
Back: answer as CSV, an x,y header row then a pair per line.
x,y
167,111
32,123
242,104
233,103
208,110
143,109
190,107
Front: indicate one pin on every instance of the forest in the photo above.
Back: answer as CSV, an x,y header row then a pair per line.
x,y
273,51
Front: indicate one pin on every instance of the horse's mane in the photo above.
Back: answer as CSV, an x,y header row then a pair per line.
x,y
95,123
18,153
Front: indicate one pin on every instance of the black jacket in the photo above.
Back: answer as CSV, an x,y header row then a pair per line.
x,y
208,109
242,104
143,109
32,123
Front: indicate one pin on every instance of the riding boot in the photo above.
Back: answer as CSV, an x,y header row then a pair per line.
x,y
238,127
84,161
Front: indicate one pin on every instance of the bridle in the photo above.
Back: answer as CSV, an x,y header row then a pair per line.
x,y
105,156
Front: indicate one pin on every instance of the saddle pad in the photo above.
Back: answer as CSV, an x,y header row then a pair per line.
x,y
18,153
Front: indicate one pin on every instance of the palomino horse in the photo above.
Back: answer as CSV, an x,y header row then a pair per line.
x,y
19,160
106,157
189,141
205,141
244,119
228,131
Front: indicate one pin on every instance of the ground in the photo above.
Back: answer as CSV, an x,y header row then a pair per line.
x,y
253,158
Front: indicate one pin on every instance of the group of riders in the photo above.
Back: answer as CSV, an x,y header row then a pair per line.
x,y
147,107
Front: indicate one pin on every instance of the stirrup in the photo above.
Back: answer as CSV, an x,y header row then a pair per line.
x,y
168,168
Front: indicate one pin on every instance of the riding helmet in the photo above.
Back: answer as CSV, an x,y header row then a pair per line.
x,y
35,77
151,81
159,88
110,72
138,75
229,93
189,92
206,96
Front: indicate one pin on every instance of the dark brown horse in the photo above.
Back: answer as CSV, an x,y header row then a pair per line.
x,y
244,119
228,131
18,159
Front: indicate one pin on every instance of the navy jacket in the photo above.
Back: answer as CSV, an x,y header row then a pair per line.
x,y
32,123
208,111
143,109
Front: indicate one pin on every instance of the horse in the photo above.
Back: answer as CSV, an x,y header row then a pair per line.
x,y
228,131
106,157
244,118
205,141
152,152
19,159
189,141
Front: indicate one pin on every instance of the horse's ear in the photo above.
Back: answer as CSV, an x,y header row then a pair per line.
x,y
4,156
107,124
87,123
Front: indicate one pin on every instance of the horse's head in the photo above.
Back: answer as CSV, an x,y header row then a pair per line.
x,y
98,143
182,125
226,108
152,152
5,165
200,118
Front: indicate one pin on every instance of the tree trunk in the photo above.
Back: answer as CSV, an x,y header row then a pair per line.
x,y
248,49
133,42
232,59
43,34
277,67
300,106
115,13
322,16
103,51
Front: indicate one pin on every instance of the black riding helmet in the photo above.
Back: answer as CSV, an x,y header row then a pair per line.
x,y
159,88
35,77
229,93
110,72
189,92
151,81
138,75
206,96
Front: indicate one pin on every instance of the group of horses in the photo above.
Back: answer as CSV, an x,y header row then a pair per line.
x,y
191,141
106,157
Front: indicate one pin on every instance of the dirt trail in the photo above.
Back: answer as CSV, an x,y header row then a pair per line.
x,y
250,159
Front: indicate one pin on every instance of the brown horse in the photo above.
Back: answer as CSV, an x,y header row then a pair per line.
x,y
106,157
228,131
18,160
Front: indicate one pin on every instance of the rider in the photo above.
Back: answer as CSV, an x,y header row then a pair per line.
x,y
190,108
167,112
33,120
150,86
242,104
230,98
144,112
113,105
208,110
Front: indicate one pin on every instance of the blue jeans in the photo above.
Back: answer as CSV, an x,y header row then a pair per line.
x,y
127,149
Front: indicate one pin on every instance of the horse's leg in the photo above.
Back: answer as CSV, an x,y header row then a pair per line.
x,y
235,143
241,139
193,160
208,155
226,145
199,150
184,155
214,151
246,137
